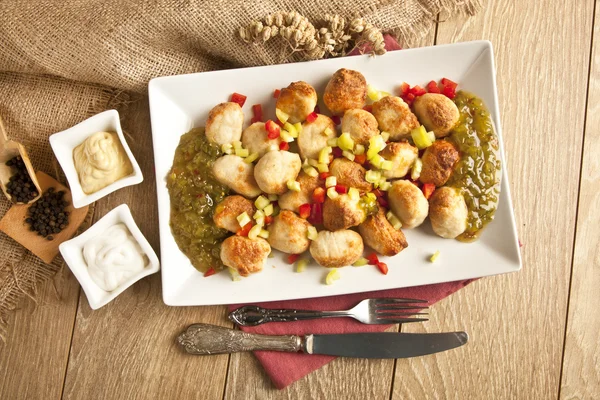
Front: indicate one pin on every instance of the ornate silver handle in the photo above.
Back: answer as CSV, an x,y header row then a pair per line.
x,y
254,315
207,339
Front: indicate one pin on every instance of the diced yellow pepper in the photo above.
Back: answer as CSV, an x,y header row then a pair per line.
x,y
298,126
327,132
291,129
373,176
332,194
281,116
332,276
359,149
242,153
293,185
285,136
360,262
348,155
324,155
353,193
264,234
251,158
385,135
301,264
323,167
254,231
330,181
312,233
376,144
434,256
243,219
345,142
311,171
332,142
261,202
420,137
268,210
312,162
415,171
227,148
237,145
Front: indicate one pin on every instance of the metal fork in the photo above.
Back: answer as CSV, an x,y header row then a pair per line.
x,y
368,311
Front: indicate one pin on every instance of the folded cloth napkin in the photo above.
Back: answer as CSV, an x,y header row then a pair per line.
x,y
286,368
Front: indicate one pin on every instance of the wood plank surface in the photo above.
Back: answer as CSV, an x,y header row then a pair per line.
x,y
516,321
581,364
127,350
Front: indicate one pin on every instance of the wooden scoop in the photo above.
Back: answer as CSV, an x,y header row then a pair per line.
x,y
8,150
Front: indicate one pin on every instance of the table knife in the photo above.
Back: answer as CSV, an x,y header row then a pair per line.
x,y
203,339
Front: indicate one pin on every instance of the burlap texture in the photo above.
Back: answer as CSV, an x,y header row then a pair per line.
x,y
62,61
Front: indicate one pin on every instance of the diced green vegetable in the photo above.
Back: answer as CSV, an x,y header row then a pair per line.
x,y
332,276
385,135
261,202
332,142
434,256
301,265
332,193
258,214
348,155
243,219
420,137
360,262
264,234
327,132
372,176
353,193
345,142
242,153
359,149
291,129
227,148
285,136
324,155
237,145
293,185
312,162
268,210
311,171
376,144
384,185
330,181
235,275
387,165
273,197
251,158
323,167
312,233
415,171
281,116
254,231
298,126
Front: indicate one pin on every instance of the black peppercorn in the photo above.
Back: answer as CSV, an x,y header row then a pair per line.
x,y
47,216
20,186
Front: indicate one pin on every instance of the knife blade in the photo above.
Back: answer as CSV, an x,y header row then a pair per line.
x,y
204,339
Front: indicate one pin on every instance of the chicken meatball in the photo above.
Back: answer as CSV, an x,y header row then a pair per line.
x,y
238,175
360,124
342,213
350,174
274,169
288,233
402,155
254,138
408,203
347,89
292,200
448,212
437,113
226,212
313,138
438,162
380,235
224,123
297,100
394,116
243,254
337,249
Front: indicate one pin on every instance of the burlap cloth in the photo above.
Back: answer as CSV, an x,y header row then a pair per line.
x,y
63,61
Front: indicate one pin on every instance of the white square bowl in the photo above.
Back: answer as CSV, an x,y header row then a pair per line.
x,y
179,103
72,252
63,143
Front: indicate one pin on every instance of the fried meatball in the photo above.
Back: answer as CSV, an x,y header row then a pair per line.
x,y
437,113
288,233
380,235
274,169
350,174
360,124
402,155
438,162
238,175
394,116
226,212
448,212
254,138
337,249
347,89
243,254
292,200
297,100
342,213
313,138
224,123
408,203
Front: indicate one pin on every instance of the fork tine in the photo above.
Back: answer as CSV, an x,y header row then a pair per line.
x,y
388,301
398,320
392,315
399,307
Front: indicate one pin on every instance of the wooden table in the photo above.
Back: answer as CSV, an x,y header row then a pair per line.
x,y
534,334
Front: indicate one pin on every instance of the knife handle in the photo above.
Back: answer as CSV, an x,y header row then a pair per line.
x,y
204,339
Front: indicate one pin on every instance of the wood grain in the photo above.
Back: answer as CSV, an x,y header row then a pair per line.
x,y
516,322
581,364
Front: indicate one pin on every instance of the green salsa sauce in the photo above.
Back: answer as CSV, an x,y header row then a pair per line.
x,y
194,193
478,172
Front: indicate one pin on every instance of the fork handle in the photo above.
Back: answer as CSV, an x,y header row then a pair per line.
x,y
252,315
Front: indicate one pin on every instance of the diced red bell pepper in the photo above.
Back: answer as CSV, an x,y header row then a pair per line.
x,y
417,90
382,267
324,175
284,146
268,219
258,114
337,152
311,117
273,130
292,258
238,98
448,83
245,229
408,98
317,109
304,210
428,189
368,108
449,92
383,202
316,214
404,88
360,158
341,189
276,93
318,195
336,120
209,272
432,87
373,259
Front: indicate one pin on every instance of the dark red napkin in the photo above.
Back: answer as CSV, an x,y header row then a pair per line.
x,y
286,368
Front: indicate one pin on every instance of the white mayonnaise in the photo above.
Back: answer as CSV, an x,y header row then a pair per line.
x,y
113,257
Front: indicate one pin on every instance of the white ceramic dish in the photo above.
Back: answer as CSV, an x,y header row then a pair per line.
x,y
72,252
179,103
64,142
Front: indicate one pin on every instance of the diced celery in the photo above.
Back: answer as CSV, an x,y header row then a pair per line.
x,y
271,255
387,165
235,275
434,256
332,193
298,126
373,176
273,197
227,148
332,142
377,160
259,214
345,142
323,167
243,219
312,162
305,163
260,221
327,132
242,153
330,181
324,155
276,210
237,145
285,136
359,149
332,276
371,196
311,171
385,186
376,144
397,225
385,135
415,172
348,155
293,185
312,233
360,262
372,93
393,220
420,137
291,129
431,136
301,264
261,202
281,116
254,231
251,158
389,214
268,210
264,234
353,193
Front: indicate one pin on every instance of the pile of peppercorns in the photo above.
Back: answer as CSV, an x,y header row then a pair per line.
x,y
47,216
20,186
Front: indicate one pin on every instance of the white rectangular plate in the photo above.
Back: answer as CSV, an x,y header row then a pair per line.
x,y
179,103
